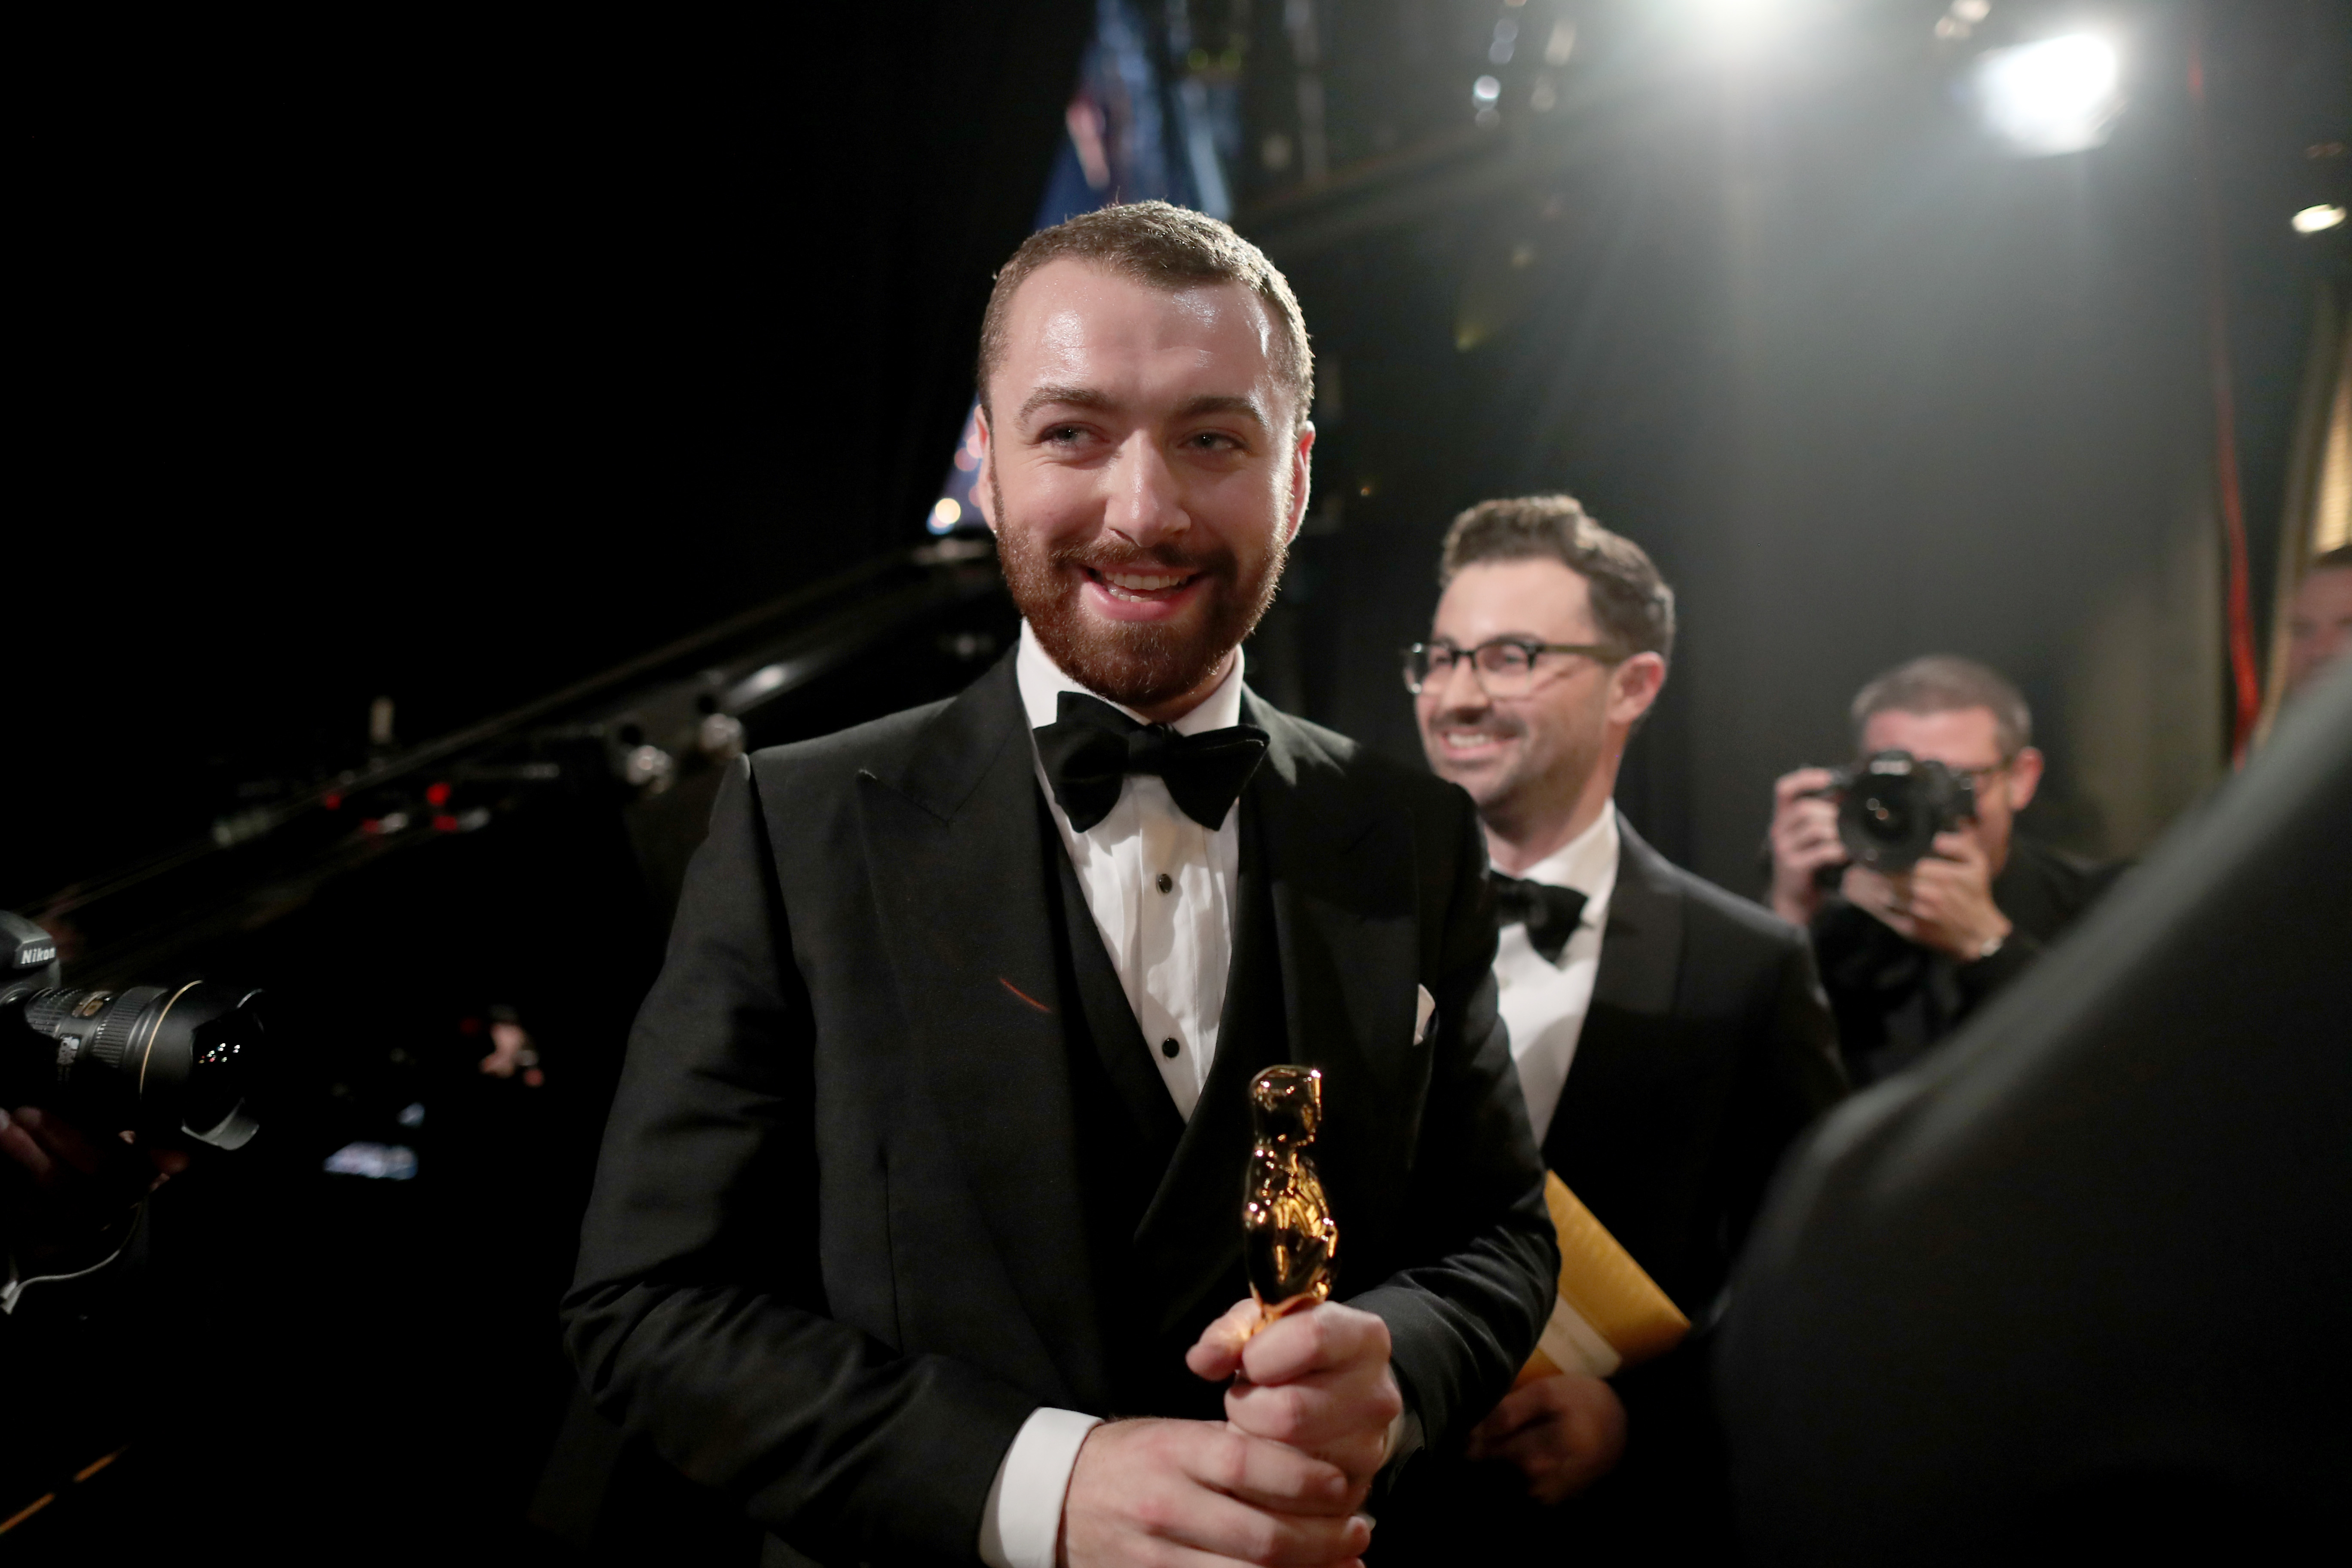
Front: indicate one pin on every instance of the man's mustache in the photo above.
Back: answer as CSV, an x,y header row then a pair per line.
x,y
1484,722
1098,557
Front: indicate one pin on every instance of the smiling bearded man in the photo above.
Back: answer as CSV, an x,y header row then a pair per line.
x,y
928,1154
1145,603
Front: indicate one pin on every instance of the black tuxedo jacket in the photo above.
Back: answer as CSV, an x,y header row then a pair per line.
x,y
838,1248
1708,1048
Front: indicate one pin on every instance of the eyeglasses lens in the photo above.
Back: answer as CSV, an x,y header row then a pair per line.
x,y
1502,670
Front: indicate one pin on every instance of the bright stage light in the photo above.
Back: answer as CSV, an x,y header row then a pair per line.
x,y
946,512
2057,96
1737,12
1734,26
2311,220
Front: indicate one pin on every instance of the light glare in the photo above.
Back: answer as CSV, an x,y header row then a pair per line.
x,y
2057,96
1736,17
2312,220
946,512
1485,90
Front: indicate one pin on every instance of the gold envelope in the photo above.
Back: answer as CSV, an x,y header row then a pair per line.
x,y
1609,1314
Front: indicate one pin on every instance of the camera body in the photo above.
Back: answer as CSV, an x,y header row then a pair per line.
x,y
1893,804
170,1062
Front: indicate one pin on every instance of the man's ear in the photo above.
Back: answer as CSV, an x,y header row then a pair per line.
x,y
1301,472
1633,686
2024,777
984,478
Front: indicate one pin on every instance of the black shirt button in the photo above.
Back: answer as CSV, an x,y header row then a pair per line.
x,y
1167,885
1169,1048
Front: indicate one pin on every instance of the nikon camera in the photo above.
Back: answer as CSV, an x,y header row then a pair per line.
x,y
1891,807
170,1063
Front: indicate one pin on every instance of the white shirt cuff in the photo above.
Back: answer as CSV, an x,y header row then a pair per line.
x,y
1021,1525
1405,1438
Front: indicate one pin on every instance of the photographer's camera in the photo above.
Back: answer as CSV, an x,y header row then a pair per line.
x,y
169,1063
1892,806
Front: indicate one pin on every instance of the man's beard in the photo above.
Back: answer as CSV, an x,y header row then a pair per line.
x,y
1138,664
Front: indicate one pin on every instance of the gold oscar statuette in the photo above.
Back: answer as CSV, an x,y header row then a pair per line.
x,y
1288,1236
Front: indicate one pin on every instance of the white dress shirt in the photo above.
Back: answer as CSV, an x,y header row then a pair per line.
x,y
1161,885
1162,888
1544,1003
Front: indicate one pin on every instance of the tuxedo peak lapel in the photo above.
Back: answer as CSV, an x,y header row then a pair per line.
x,y
1641,947
964,742
1296,761
1340,876
955,844
1617,1054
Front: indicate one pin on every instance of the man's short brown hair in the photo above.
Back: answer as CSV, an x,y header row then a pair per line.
x,y
1947,683
1168,248
1632,605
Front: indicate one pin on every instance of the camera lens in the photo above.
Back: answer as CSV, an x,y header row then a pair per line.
x,y
1891,811
1885,816
168,1062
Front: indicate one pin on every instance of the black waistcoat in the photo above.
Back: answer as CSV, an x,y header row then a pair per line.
x,y
1133,1144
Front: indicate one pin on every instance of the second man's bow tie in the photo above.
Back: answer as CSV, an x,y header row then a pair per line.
x,y
1092,747
1549,913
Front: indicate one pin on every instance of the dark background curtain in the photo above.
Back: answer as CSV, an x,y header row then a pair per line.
x,y
457,359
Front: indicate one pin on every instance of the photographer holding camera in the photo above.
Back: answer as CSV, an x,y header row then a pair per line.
x,y
1921,900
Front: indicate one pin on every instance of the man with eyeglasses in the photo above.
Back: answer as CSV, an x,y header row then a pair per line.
x,y
1670,1038
1909,957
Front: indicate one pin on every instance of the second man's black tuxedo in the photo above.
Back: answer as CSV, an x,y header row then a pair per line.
x,y
887,1168
1708,1048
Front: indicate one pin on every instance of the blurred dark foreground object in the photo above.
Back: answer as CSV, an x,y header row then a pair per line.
x,y
2079,1284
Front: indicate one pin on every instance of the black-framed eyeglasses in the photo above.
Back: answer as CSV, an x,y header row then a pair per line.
x,y
1503,666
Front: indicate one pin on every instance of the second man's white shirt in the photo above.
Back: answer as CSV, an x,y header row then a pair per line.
x,y
1543,1003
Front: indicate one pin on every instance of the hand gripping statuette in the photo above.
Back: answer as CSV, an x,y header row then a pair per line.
x,y
1288,1236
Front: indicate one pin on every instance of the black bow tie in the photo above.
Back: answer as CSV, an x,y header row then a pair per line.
x,y
1090,751
1549,913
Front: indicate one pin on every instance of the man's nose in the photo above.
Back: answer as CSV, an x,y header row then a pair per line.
x,y
1146,507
